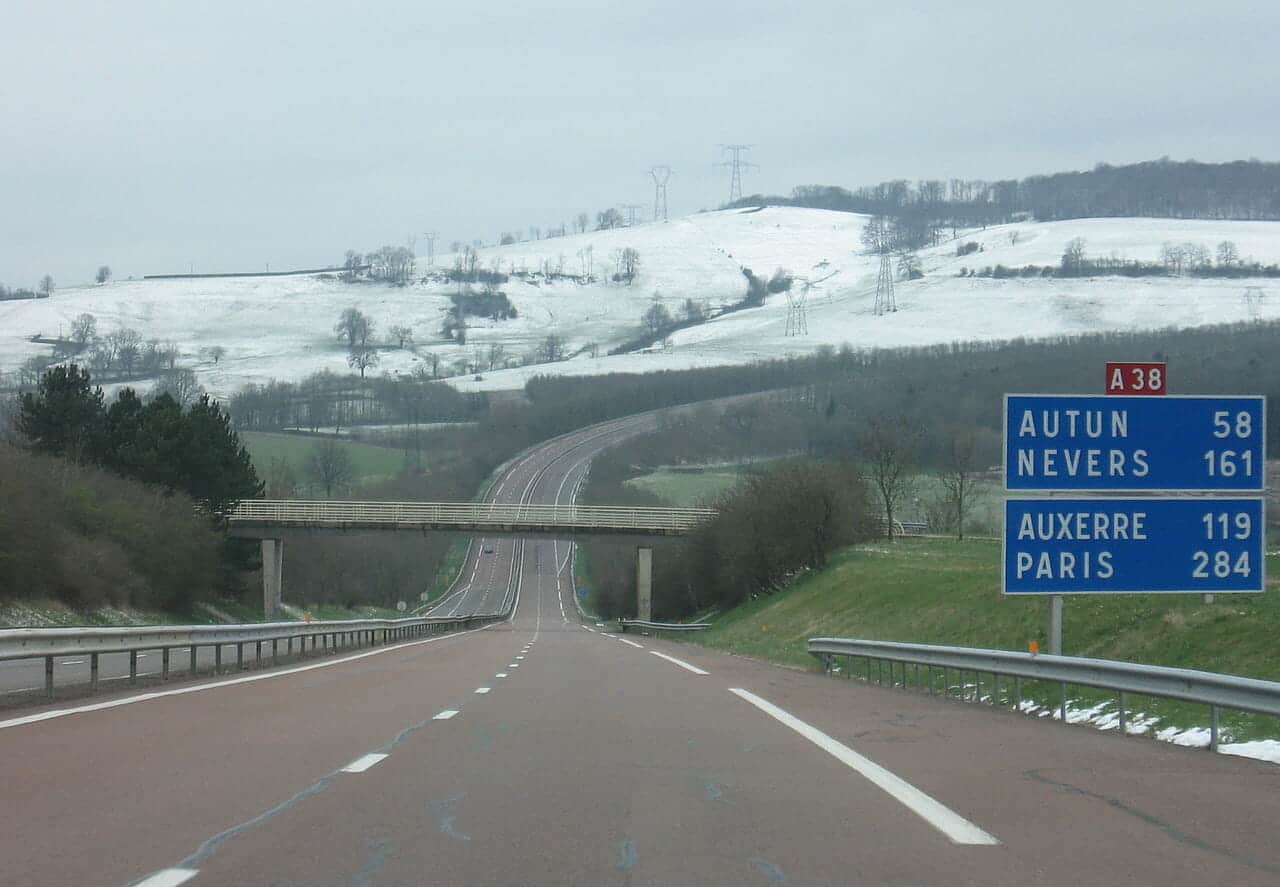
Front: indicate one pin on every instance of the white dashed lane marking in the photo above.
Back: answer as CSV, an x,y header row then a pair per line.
x,y
686,666
359,765
445,715
501,674
632,643
482,690
944,819
169,878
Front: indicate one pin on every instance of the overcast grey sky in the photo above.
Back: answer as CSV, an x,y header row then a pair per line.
x,y
152,135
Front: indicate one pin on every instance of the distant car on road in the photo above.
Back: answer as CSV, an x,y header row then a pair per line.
x,y
488,549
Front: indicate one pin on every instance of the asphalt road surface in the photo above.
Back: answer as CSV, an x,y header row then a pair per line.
x,y
544,750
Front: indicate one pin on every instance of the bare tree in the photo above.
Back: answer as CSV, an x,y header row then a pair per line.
x,y
497,354
628,261
83,329
180,384
581,222
1073,257
959,475
551,349
217,352
353,327
362,358
46,285
329,465
282,480
656,317
609,218
1228,255
402,335
104,274
889,447
434,360
126,349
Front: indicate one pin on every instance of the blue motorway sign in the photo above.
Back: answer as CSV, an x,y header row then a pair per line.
x,y
1100,443
1074,546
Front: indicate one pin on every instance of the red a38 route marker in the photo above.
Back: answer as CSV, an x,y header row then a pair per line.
x,y
1136,378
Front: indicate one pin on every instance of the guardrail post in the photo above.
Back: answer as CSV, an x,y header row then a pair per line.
x,y
93,672
946,682
257,654
1121,703
133,667
193,660
217,658
275,650
48,676
1017,692
1213,727
239,657
164,664
1062,696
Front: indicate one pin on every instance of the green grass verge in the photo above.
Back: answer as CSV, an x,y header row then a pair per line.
x,y
687,488
939,591
370,461
582,579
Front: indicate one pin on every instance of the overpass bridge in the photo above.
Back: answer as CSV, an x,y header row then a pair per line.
x,y
273,520
266,518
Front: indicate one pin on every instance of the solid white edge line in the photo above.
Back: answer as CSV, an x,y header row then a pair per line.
x,y
213,685
958,829
684,665
632,643
361,764
482,690
168,878
445,715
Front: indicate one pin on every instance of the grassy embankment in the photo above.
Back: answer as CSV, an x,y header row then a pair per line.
x,y
940,591
371,462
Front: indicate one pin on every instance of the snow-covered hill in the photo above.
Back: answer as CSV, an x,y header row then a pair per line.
x,y
283,327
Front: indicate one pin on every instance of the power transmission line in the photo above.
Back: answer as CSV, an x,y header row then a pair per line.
x,y
736,165
660,175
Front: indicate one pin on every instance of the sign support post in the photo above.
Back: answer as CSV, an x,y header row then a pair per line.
x,y
1055,624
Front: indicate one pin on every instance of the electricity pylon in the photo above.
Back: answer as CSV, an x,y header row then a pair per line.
x,y
735,166
660,175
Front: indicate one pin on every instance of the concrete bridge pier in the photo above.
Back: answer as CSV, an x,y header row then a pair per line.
x,y
644,583
272,572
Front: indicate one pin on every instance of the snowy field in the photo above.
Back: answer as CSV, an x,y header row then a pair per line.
x,y
282,328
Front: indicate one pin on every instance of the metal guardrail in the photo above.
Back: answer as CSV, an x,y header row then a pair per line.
x,y
1217,691
624,624
327,514
51,643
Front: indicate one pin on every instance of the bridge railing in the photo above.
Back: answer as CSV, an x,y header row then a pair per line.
x,y
329,513
1215,690
323,636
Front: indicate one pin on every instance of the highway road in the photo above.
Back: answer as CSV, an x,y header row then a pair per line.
x,y
548,473
545,750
